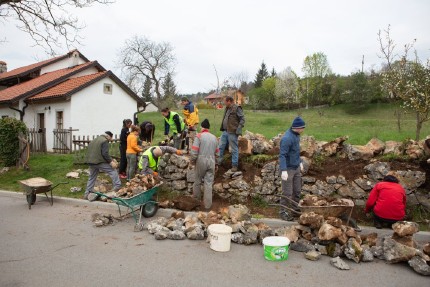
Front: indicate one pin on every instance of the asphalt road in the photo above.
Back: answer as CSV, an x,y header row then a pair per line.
x,y
58,246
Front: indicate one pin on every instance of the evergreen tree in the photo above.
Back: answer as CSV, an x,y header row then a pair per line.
x,y
146,94
273,73
262,74
169,87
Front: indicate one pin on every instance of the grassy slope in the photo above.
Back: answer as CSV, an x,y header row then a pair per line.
x,y
378,121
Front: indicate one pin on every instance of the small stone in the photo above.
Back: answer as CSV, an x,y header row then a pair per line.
x,y
367,254
321,249
395,252
75,189
407,240
336,222
288,231
334,249
313,255
339,263
178,214
196,234
98,223
377,251
419,265
370,239
176,235
237,238
311,219
405,228
331,179
302,245
329,232
92,196
353,250
73,174
160,235
239,212
341,180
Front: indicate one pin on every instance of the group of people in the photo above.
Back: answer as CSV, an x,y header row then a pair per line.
x,y
387,199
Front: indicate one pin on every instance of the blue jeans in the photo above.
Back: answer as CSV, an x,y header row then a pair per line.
x,y
231,140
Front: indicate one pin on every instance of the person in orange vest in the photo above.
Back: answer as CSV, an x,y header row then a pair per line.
x,y
132,150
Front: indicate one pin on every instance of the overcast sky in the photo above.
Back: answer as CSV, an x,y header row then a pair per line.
x,y
236,36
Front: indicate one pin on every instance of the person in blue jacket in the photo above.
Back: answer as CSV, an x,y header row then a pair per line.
x,y
291,167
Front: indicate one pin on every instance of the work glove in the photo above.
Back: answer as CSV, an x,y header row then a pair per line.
x,y
178,152
302,168
155,173
284,175
114,164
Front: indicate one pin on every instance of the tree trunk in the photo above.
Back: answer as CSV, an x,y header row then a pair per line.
x,y
419,125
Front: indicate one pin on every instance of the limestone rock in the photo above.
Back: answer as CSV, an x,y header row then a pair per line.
x,y
239,184
260,144
237,238
73,174
367,254
307,162
358,152
180,161
308,146
407,240
288,231
186,203
370,239
308,179
160,235
154,227
245,146
75,189
196,234
238,212
331,179
176,224
341,179
176,235
395,252
302,245
405,228
311,219
328,232
419,265
336,222
364,183
218,188
191,174
339,263
178,214
414,150
321,249
351,190
411,180
393,147
353,250
313,255
263,233
377,251
376,146
377,170
426,249
179,184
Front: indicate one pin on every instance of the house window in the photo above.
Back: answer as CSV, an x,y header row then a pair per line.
x,y
107,88
60,120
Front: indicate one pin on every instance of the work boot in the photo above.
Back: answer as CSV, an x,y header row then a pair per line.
x,y
286,216
234,169
92,197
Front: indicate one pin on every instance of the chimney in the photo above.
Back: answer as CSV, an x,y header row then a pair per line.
x,y
74,59
3,67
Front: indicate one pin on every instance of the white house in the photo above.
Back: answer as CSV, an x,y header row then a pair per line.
x,y
150,107
67,92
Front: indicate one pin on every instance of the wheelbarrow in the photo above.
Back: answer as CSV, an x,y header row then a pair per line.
x,y
142,201
35,185
341,211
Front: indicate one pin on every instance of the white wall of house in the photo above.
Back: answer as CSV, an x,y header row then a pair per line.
x,y
49,110
150,107
65,63
87,71
94,112
6,112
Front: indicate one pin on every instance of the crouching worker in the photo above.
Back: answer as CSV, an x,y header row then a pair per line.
x,y
98,159
148,163
203,152
388,202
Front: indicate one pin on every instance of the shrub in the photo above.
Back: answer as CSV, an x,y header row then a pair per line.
x,y
9,142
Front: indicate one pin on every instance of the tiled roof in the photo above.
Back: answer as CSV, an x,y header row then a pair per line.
x,y
40,83
69,86
214,96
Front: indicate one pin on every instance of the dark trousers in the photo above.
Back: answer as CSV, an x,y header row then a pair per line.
x,y
123,160
382,222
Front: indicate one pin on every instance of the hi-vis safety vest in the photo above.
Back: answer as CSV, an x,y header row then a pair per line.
x,y
152,161
172,124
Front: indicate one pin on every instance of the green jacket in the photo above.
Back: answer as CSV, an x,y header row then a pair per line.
x,y
172,126
148,161
98,151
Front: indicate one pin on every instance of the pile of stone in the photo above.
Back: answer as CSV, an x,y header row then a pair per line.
x,y
140,183
313,200
177,172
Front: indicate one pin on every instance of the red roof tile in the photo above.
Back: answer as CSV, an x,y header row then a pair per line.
x,y
69,86
40,83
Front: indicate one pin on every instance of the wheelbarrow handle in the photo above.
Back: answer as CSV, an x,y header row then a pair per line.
x,y
286,207
65,182
287,198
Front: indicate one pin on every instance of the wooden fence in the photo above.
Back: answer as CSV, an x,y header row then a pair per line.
x,y
37,140
63,140
80,145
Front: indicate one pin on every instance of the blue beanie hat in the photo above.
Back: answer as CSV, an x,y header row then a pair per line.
x,y
298,123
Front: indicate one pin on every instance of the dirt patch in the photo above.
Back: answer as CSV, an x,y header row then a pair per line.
x,y
336,166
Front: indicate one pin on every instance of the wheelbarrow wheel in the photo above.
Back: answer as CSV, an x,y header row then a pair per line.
x,y
149,209
31,198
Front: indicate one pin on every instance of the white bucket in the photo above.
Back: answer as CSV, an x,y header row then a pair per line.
x,y
219,237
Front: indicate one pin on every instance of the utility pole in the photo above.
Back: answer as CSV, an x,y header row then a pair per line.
x,y
362,65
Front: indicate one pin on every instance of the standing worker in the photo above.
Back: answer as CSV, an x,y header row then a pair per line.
x,y
388,202
132,150
98,159
231,127
123,147
203,152
291,167
147,131
174,124
191,119
148,162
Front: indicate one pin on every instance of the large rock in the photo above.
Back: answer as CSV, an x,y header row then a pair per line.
x,y
308,146
405,228
334,249
353,250
351,190
180,161
176,235
426,249
238,212
365,183
311,219
377,170
420,265
328,232
414,150
186,203
395,252
239,184
245,146
161,235
358,152
196,234
288,231
393,147
339,263
191,174
331,148
370,239
376,146
407,240
411,180
367,254
302,245
179,185
260,144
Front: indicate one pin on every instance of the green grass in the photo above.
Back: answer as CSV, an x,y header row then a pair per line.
x,y
378,121
53,167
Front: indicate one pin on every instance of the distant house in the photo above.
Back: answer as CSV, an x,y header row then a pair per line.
x,y
65,92
150,107
238,97
215,98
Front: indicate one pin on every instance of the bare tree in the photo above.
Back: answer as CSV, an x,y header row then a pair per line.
x,y
48,22
141,58
237,79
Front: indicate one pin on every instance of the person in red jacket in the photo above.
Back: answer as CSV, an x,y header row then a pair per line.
x,y
388,201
